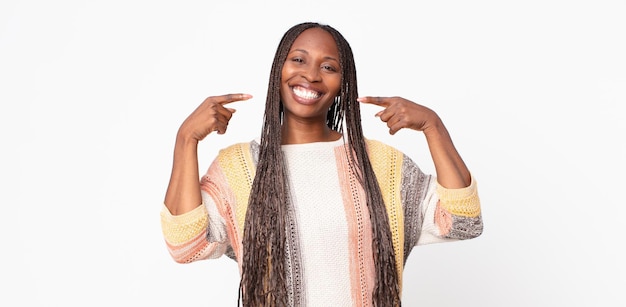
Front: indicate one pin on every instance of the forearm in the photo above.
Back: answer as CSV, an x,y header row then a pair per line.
x,y
183,191
452,172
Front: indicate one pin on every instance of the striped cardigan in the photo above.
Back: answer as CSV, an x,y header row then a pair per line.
x,y
420,211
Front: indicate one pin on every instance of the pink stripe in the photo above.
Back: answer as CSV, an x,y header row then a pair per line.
x,y
224,200
359,232
443,220
197,248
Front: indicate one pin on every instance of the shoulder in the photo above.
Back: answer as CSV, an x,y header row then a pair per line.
x,y
237,147
238,150
379,147
382,153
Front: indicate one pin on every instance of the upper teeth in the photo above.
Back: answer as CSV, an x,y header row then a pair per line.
x,y
304,93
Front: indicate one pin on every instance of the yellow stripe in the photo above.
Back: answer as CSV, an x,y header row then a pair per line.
x,y
387,164
238,166
179,229
461,202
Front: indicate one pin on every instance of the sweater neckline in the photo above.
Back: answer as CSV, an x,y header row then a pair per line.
x,y
309,146
313,145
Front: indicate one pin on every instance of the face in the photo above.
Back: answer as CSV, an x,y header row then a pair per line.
x,y
311,76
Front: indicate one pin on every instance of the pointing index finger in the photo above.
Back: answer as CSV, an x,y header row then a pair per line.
x,y
377,100
225,99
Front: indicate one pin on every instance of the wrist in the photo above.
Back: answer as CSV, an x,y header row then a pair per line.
x,y
184,139
434,127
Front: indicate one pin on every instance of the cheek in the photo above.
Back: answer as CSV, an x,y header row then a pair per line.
x,y
286,72
335,85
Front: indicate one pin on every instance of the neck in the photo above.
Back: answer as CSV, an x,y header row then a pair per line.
x,y
301,134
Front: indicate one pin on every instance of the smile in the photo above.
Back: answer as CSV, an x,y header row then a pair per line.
x,y
305,93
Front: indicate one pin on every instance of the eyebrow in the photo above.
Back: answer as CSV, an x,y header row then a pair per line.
x,y
304,51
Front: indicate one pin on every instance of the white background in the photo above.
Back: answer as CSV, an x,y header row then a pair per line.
x,y
92,93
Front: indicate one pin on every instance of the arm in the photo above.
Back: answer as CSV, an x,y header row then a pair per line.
x,y
450,208
451,170
401,113
183,192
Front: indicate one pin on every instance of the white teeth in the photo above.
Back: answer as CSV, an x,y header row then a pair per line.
x,y
304,93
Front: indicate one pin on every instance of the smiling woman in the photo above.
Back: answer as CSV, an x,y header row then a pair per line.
x,y
315,213
310,81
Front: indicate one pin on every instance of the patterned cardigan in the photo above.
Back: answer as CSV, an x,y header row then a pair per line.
x,y
420,212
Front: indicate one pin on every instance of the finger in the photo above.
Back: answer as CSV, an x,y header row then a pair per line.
x,y
221,129
377,100
224,99
385,115
223,111
395,126
393,121
399,124
221,125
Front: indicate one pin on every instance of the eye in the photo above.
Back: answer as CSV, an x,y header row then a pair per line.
x,y
329,67
297,59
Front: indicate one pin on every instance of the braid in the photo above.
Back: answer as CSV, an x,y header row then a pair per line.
x,y
263,272
386,290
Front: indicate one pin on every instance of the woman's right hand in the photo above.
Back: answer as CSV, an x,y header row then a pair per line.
x,y
183,191
209,116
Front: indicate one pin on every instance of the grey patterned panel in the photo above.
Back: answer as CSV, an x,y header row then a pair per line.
x,y
413,191
465,227
254,151
293,260
230,253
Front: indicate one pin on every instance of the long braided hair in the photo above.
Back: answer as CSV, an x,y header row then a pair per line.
x,y
263,272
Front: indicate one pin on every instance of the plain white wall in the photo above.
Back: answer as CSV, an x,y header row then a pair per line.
x,y
92,94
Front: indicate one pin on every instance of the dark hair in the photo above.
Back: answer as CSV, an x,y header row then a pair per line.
x,y
263,269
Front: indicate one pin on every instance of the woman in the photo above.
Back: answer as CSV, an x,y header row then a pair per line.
x,y
313,213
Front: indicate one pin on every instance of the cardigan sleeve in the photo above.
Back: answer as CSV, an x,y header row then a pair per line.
x,y
196,235
435,214
450,214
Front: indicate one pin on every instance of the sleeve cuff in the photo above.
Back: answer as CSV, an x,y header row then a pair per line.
x,y
181,228
463,201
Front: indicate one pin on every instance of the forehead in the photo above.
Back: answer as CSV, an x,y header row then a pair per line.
x,y
316,40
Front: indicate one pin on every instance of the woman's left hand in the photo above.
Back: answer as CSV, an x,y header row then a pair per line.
x,y
402,113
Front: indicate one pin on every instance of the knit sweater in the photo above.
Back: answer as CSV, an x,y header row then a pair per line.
x,y
329,248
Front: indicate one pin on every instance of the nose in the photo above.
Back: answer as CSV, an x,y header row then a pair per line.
x,y
312,73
